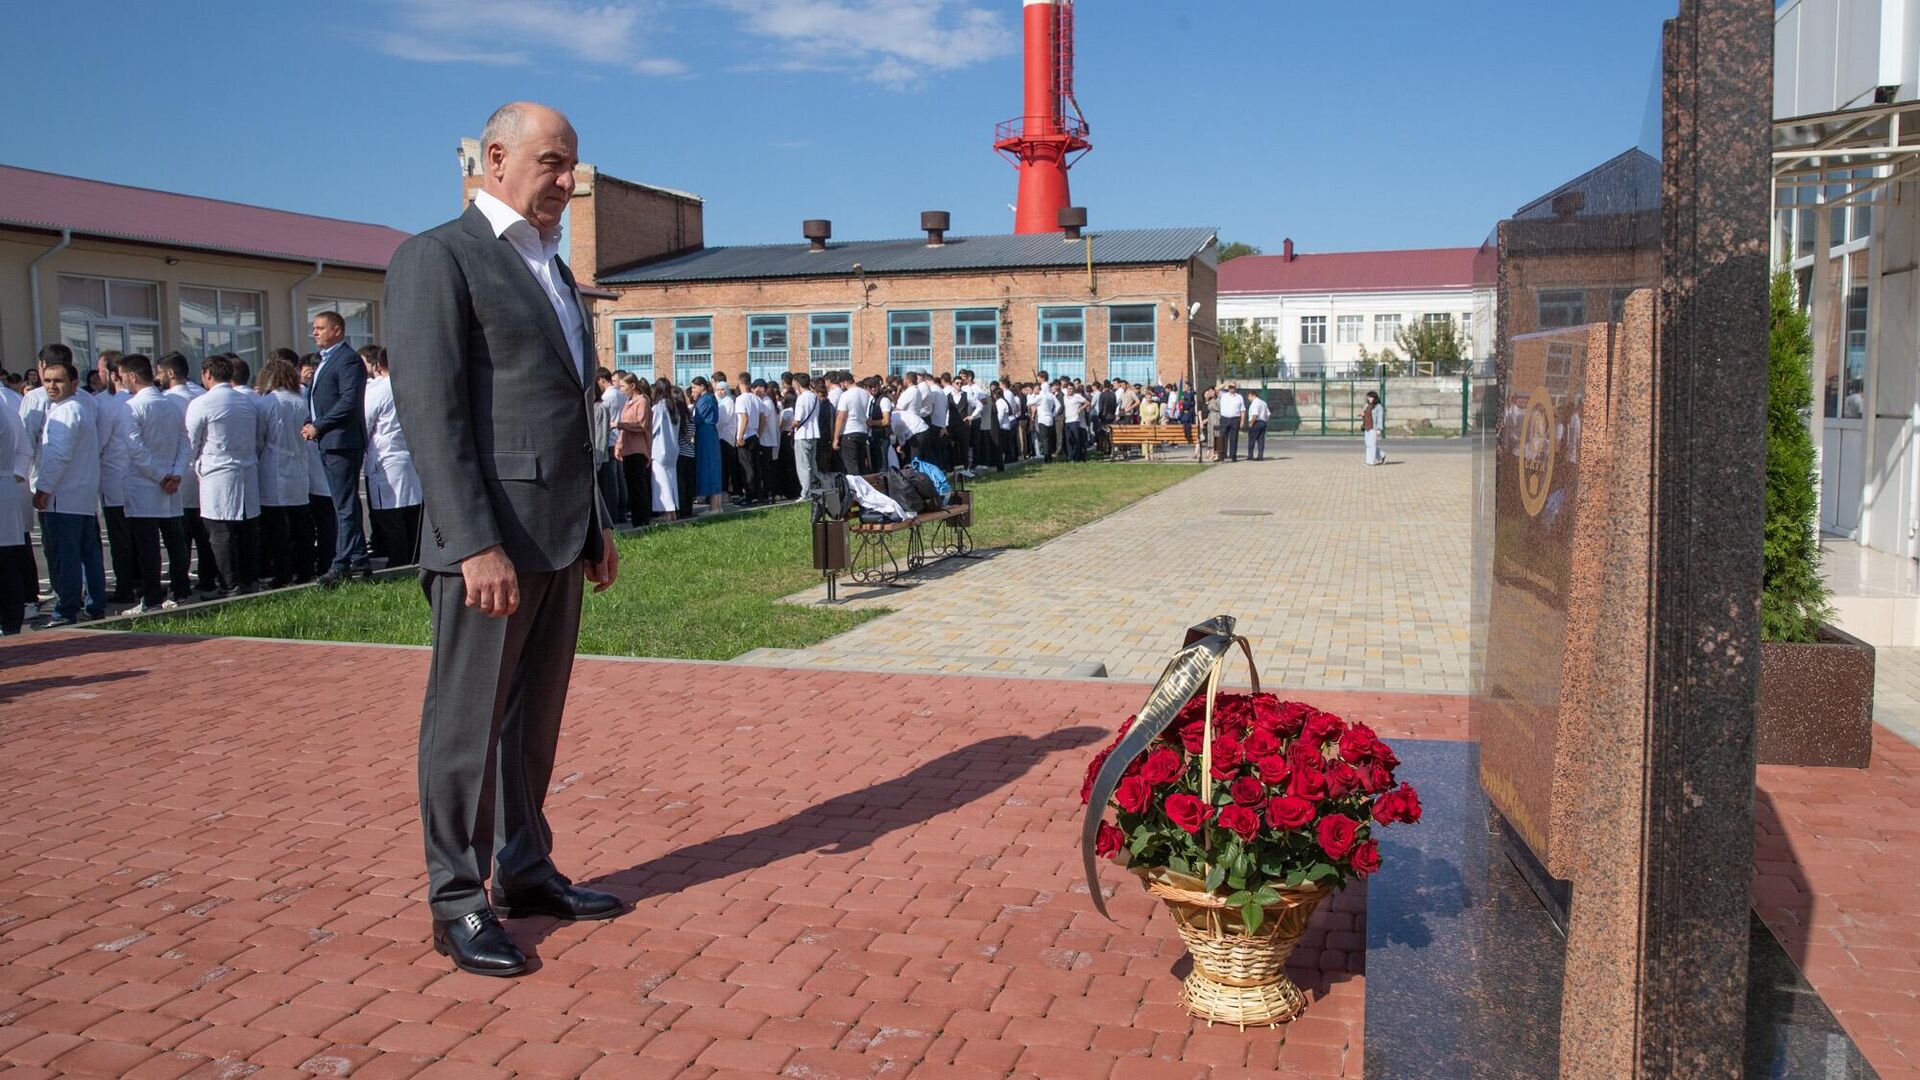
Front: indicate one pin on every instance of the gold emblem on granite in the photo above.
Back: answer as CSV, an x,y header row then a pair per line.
x,y
1536,451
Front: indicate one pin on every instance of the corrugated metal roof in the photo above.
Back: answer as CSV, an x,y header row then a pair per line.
x,y
1115,247
1349,271
45,200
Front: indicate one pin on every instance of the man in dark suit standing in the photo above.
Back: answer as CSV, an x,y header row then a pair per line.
x,y
492,357
336,422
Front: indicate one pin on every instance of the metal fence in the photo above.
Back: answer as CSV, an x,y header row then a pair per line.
x,y
1440,405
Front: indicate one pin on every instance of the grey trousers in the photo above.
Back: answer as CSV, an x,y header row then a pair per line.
x,y
805,463
488,731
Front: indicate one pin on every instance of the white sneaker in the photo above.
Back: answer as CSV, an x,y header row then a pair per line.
x,y
169,604
140,608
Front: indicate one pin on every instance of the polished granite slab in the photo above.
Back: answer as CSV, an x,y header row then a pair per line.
x,y
1464,962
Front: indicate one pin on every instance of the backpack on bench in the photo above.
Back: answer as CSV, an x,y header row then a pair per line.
x,y
830,496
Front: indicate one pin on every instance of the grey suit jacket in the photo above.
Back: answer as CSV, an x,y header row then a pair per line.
x,y
496,413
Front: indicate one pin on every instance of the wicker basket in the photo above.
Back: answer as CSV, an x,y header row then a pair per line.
x,y
1238,978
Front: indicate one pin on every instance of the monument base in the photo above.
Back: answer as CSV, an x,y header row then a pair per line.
x,y
1465,960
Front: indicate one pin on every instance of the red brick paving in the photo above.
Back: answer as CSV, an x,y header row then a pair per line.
x,y
211,867
1836,862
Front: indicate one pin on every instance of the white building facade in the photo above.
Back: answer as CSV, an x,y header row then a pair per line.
x,y
1847,223
1324,309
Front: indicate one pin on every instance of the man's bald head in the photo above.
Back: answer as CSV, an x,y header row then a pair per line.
x,y
529,152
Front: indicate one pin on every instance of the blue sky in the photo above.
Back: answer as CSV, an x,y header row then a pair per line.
x,y
1347,126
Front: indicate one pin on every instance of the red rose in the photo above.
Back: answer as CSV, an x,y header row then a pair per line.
x,y
1266,713
1366,858
1247,791
1227,757
1374,778
1093,770
1308,784
1133,767
1193,737
1132,793
1186,811
1240,821
1162,765
1261,742
1356,744
1293,716
1288,812
1325,727
1337,833
1384,754
1305,754
1273,769
1400,804
1108,841
1342,780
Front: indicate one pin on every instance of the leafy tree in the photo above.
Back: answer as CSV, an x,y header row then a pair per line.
x,y
1248,351
1433,346
1384,362
1233,249
1793,599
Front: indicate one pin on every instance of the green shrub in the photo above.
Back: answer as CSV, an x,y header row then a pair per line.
x,y
1793,598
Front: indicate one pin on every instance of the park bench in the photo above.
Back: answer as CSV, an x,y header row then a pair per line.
x,y
1120,435
884,552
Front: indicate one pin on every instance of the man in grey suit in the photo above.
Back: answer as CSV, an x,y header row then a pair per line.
x,y
492,357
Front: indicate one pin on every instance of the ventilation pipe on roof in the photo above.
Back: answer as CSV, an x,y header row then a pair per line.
x,y
817,231
33,282
293,297
936,222
1286,249
1072,219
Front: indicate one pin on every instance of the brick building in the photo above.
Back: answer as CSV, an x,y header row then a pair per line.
x,y
1099,304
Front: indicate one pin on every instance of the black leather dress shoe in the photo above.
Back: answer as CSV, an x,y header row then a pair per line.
x,y
560,899
477,942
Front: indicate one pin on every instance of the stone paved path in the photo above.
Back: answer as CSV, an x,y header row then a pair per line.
x,y
210,867
1345,576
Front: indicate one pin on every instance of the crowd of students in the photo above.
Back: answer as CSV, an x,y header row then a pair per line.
x,y
676,450
216,468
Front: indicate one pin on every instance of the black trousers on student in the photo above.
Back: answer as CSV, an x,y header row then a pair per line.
x,y
148,534
639,474
28,572
398,528
236,550
753,478
277,553
126,565
853,453
321,520
684,476
16,561
1257,441
730,481
202,540
300,542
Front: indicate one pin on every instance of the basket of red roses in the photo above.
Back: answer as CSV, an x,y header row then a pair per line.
x,y
1242,812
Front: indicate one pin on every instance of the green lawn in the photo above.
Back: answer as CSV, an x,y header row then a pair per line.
x,y
702,591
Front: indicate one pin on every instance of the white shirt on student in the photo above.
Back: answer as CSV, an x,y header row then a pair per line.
x,y
541,253
228,433
729,419
1045,408
937,403
1257,409
769,422
806,415
1076,406
855,403
1232,405
70,456
157,444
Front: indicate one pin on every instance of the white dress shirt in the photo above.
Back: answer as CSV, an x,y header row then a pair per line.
x,y
1075,406
769,423
727,421
283,465
70,456
937,404
228,434
806,415
542,256
183,395
856,403
157,448
1257,409
392,481
1232,405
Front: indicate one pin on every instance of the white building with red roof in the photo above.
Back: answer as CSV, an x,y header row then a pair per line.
x,y
106,266
1324,308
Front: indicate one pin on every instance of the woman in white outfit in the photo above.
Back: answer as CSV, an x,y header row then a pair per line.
x,y
283,472
665,456
1370,428
393,487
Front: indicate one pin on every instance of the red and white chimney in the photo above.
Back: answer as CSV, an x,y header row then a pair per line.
x,y
1044,141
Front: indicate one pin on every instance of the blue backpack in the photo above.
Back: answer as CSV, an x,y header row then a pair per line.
x,y
933,473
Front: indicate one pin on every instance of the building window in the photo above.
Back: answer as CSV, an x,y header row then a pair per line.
x,y
1386,329
976,342
1233,324
1436,318
829,342
1063,341
358,315
1466,334
1347,329
766,346
633,346
1851,398
692,348
909,341
1132,337
222,320
1313,330
1558,308
108,315
1270,324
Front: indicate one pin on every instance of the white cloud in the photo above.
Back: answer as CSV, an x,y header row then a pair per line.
x,y
894,42
508,31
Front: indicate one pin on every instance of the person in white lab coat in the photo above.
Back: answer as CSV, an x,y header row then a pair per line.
x,y
111,413
393,487
320,516
228,435
283,473
171,374
66,491
157,455
665,456
28,581
16,502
